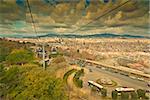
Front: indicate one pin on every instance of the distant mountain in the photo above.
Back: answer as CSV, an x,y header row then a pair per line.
x,y
103,35
100,35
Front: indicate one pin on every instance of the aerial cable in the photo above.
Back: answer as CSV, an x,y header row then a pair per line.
x,y
101,16
33,22
34,27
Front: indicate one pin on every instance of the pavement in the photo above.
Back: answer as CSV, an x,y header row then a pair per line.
x,y
121,80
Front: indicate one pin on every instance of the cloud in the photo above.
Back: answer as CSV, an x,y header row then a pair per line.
x,y
64,17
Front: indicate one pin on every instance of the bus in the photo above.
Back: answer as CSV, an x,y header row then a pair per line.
x,y
124,89
95,85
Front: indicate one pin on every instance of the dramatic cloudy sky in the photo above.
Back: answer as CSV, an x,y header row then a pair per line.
x,y
65,16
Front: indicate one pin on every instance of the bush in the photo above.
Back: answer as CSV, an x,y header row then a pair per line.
x,y
66,75
134,96
141,93
104,92
4,52
124,96
8,46
1,70
114,95
19,56
19,83
76,78
9,81
80,83
56,90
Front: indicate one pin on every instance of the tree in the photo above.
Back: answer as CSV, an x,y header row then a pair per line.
x,y
56,90
10,80
1,70
8,46
124,96
134,96
141,93
114,95
76,79
19,56
41,85
4,51
104,92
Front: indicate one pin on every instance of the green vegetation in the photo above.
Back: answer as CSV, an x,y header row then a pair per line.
x,y
104,92
1,70
141,94
6,48
114,95
10,83
124,96
19,56
56,54
134,96
31,82
76,79
21,79
67,74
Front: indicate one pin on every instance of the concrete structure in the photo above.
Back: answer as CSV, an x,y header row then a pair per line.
x,y
121,69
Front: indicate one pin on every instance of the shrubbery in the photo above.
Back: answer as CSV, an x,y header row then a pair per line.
x,y
19,56
124,96
66,75
6,48
114,95
104,92
141,94
76,79
28,82
134,96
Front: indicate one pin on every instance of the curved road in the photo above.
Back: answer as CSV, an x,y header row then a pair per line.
x,y
128,80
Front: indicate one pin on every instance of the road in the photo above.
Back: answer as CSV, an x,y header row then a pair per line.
x,y
121,80
123,69
122,77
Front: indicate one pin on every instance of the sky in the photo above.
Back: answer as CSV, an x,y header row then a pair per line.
x,y
72,16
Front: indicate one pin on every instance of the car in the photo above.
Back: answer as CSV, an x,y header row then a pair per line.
x,y
140,79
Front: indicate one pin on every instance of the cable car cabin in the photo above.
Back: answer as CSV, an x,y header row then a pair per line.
x,y
98,86
124,89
